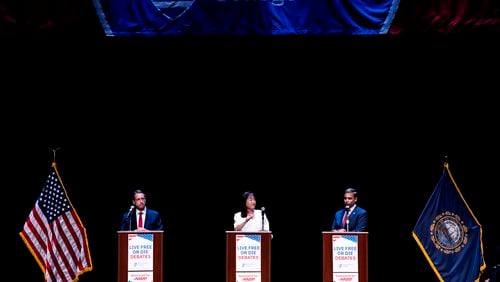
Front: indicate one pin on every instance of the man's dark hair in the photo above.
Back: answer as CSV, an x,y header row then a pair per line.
x,y
351,190
137,191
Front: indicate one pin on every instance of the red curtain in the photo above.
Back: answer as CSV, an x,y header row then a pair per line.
x,y
446,16
45,16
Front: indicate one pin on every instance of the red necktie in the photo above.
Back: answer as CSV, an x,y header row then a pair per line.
x,y
140,219
344,219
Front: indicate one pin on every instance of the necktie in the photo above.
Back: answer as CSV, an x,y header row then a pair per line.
x,y
140,219
344,219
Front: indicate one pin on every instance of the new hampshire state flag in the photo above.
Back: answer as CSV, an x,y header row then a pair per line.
x,y
449,234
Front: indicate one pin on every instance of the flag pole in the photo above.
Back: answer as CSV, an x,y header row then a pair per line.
x,y
54,153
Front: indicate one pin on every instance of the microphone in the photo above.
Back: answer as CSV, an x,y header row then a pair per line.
x,y
347,219
130,210
263,209
129,218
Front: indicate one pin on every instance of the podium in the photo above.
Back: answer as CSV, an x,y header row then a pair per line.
x,y
248,256
345,256
140,256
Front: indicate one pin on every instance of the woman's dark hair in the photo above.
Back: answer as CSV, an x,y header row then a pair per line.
x,y
243,204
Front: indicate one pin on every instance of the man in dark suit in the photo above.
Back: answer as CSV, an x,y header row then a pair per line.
x,y
352,218
140,218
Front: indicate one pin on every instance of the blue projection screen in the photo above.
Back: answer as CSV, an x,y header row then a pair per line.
x,y
245,17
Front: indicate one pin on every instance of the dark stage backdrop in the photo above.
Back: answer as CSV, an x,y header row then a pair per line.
x,y
195,160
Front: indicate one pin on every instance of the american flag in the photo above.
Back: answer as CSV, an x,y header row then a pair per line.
x,y
55,235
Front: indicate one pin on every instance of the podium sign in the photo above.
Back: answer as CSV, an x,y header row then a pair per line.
x,y
345,256
139,276
140,256
140,252
248,256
